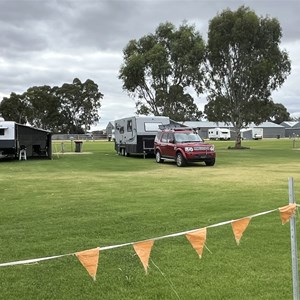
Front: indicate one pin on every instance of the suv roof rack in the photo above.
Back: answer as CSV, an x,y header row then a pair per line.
x,y
176,128
172,126
184,128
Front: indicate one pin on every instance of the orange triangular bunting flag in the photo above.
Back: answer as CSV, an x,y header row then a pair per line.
x,y
197,240
89,259
143,250
286,212
238,227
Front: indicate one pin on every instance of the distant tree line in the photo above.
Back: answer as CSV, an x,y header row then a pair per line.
x,y
71,108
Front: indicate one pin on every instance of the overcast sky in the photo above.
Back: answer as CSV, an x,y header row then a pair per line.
x,y
50,42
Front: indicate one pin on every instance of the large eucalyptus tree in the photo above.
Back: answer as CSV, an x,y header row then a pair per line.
x,y
244,65
160,70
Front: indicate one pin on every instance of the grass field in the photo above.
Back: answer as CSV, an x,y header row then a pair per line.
x,y
78,202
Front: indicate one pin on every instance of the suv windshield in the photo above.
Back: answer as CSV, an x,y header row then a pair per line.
x,y
185,137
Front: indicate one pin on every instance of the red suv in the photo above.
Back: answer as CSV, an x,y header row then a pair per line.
x,y
183,145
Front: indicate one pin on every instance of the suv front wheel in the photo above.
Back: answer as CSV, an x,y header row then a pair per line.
x,y
180,160
158,157
210,162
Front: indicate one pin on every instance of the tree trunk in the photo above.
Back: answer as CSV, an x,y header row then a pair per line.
x,y
238,141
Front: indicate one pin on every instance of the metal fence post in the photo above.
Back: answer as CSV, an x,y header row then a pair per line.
x,y
294,243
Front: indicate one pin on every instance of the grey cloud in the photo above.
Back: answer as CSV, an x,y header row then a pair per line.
x,y
52,41
111,24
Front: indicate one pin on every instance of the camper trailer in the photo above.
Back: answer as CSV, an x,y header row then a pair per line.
x,y
219,134
252,133
22,142
136,134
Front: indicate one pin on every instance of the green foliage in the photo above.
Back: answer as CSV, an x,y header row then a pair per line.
x,y
80,103
244,65
14,108
43,108
97,198
160,67
279,113
65,109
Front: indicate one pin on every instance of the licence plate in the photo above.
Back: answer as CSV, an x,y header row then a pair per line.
x,y
200,148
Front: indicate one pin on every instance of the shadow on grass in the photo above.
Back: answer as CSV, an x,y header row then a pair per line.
x,y
189,165
238,148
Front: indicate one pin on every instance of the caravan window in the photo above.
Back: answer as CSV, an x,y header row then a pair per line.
x,y
1,131
152,126
129,125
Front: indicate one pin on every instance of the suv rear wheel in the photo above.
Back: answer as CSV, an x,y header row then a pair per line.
x,y
158,157
180,160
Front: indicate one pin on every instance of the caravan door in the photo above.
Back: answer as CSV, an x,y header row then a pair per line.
x,y
130,128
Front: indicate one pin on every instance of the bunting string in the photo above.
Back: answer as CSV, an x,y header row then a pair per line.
x,y
289,209
31,261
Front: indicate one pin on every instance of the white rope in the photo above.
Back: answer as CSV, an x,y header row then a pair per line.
x,y
34,260
30,261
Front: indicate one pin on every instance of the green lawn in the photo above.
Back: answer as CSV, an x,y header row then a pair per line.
x,y
80,201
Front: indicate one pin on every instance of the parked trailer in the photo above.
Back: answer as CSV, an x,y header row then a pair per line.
x,y
219,134
22,142
252,133
136,134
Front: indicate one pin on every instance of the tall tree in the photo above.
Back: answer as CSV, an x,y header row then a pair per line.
x,y
244,66
159,69
44,108
14,108
80,103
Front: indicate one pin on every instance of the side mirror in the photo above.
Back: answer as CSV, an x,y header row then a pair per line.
x,y
171,141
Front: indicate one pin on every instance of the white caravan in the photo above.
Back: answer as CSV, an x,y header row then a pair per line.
x,y
137,134
252,133
18,138
219,134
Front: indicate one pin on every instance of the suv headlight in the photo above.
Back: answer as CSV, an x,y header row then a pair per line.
x,y
212,148
188,149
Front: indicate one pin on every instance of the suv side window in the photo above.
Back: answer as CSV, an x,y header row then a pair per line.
x,y
164,137
170,137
